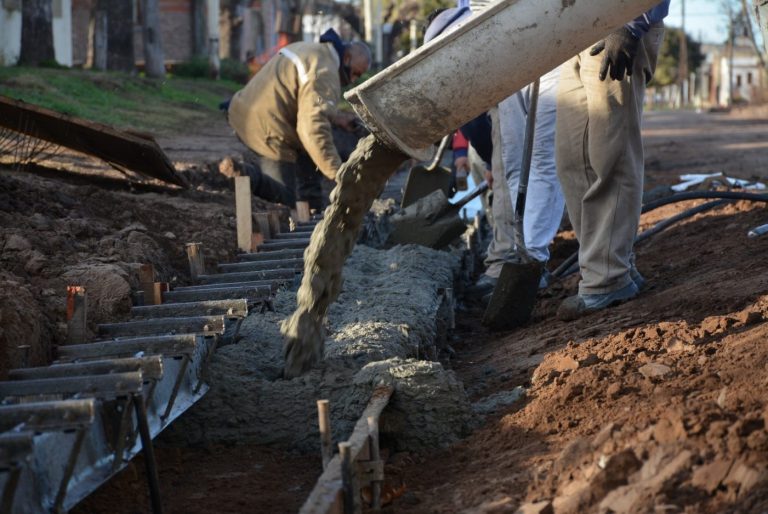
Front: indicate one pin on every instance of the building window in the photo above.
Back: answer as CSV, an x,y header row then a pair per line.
x,y
738,80
749,78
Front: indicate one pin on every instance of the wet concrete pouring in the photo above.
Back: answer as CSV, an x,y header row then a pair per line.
x,y
656,405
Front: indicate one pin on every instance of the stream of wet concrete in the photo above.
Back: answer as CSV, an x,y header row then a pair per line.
x,y
360,180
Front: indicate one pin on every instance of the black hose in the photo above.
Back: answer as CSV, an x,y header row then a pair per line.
x,y
665,224
564,268
698,195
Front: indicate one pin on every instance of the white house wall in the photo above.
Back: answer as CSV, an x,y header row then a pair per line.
x,y
62,31
10,35
10,32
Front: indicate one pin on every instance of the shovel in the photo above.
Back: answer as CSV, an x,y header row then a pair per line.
x,y
432,221
514,296
423,180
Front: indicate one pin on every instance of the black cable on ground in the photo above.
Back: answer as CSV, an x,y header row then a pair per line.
x,y
565,268
665,224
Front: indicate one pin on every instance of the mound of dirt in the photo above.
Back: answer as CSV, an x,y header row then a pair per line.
x,y
55,233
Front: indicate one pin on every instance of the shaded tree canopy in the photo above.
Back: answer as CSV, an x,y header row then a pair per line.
x,y
669,57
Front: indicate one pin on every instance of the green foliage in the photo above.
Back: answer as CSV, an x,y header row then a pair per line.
x,y
119,99
669,57
197,67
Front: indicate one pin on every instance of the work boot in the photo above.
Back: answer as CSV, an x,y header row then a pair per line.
x,y
579,305
545,280
483,287
635,275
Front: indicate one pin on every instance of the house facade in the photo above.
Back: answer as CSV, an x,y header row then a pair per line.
x,y
256,26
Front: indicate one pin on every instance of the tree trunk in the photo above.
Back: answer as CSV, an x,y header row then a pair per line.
x,y
98,59
236,10
36,32
153,44
199,29
120,54
214,65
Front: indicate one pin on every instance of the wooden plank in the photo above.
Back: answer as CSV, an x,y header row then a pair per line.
x,y
326,495
274,221
271,255
243,213
54,415
134,151
151,368
171,346
15,448
262,222
185,325
302,212
196,259
292,236
324,422
248,276
234,308
298,244
272,284
250,293
112,384
296,264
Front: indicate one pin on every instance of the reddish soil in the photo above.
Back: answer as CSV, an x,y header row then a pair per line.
x,y
87,225
221,480
657,405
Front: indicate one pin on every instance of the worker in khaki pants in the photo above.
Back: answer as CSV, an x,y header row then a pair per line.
x,y
599,153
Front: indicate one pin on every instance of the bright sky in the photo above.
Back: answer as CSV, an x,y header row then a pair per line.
x,y
705,20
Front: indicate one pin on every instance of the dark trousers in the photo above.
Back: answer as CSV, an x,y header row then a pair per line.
x,y
286,182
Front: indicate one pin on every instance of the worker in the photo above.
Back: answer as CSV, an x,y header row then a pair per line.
x,y
285,112
600,158
545,203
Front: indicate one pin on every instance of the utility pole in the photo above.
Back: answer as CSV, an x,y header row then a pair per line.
x,y
731,42
214,64
682,65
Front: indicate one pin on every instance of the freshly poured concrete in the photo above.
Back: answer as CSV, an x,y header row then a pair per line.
x,y
384,321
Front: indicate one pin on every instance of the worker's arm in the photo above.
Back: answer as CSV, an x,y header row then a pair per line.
x,y
642,24
317,107
460,151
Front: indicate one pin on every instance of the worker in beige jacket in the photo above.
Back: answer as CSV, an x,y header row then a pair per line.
x,y
285,112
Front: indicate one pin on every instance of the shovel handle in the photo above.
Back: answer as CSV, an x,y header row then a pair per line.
x,y
479,189
439,155
525,171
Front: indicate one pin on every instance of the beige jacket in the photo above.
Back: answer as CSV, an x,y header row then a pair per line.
x,y
287,106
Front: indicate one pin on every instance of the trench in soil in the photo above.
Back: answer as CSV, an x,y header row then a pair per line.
x,y
678,373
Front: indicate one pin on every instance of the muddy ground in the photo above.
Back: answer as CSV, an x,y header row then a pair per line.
x,y
654,406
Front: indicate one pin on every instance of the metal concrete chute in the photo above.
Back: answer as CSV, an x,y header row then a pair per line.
x,y
463,73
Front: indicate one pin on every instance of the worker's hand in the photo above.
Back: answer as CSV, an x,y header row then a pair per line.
x,y
620,49
346,121
461,163
489,178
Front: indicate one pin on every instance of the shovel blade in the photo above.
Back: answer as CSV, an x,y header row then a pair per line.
x,y
431,221
514,296
421,182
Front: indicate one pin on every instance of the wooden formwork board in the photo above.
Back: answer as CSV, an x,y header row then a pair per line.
x,y
326,497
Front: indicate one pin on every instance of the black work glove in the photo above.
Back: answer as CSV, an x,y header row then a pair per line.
x,y
620,50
